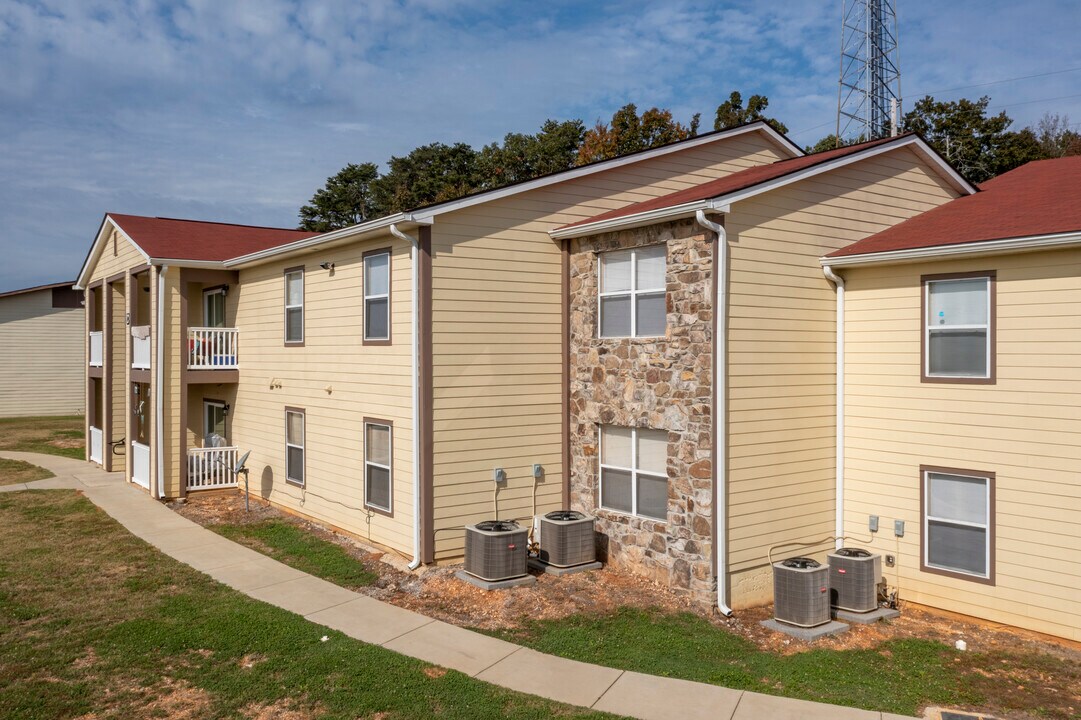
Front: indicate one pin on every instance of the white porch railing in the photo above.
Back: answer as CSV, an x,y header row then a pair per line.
x,y
97,445
140,347
96,349
140,464
211,467
212,348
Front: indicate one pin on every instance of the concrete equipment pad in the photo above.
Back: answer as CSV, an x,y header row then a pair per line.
x,y
568,681
866,618
367,619
755,706
544,567
451,647
497,584
659,698
813,633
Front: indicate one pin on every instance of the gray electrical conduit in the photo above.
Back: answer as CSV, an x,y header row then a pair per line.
x,y
414,253
720,374
839,539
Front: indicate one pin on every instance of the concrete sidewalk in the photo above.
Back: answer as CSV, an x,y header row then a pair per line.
x,y
371,621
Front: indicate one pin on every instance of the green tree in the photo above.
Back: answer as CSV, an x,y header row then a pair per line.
x,y
523,157
731,112
429,174
830,142
978,145
629,132
345,200
1056,138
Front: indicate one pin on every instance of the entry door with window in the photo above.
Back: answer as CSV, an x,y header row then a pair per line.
x,y
214,308
214,424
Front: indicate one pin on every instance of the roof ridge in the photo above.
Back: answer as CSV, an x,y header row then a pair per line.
x,y
212,222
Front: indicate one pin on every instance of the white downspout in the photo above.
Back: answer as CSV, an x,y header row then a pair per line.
x,y
720,377
159,396
414,252
839,528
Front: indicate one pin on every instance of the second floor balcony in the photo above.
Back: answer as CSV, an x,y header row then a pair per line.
x,y
213,348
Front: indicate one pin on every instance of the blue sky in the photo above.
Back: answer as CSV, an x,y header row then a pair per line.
x,y
238,111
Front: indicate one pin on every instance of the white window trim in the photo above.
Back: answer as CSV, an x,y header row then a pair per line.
x,y
633,293
634,476
288,307
377,296
207,295
303,441
927,328
388,468
207,404
985,526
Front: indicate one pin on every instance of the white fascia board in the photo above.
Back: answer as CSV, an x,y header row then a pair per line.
x,y
96,248
585,170
943,252
639,219
350,233
180,262
726,201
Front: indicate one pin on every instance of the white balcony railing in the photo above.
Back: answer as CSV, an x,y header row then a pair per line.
x,y
140,464
140,347
211,467
212,348
97,445
97,352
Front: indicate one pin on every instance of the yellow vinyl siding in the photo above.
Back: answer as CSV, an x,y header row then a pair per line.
x,y
42,365
496,325
1024,429
781,347
336,380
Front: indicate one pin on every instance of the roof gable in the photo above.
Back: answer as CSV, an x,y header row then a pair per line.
x,y
172,240
717,194
1037,199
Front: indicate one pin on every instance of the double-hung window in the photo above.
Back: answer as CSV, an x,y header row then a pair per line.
x,y
377,296
958,337
294,446
378,452
632,292
957,523
634,471
294,306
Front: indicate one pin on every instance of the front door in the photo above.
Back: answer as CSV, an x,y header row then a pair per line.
x,y
214,424
214,308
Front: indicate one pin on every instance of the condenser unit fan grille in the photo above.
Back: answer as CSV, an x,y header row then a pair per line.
x,y
567,539
801,592
854,576
496,550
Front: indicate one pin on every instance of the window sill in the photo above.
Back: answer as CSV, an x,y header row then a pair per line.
x,y
625,517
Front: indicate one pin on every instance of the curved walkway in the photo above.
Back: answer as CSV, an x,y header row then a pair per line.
x,y
371,621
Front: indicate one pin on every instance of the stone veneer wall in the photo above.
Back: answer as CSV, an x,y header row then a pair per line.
x,y
663,384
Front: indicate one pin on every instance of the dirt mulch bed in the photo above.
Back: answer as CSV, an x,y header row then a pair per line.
x,y
437,593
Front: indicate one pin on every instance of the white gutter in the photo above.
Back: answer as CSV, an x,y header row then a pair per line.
x,y
839,526
983,247
159,395
414,254
720,385
648,217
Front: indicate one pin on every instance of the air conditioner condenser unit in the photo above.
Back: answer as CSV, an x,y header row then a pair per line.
x,y
801,592
854,577
496,550
566,539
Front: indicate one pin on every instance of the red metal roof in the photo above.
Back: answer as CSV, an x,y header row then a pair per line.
x,y
197,240
1038,198
733,183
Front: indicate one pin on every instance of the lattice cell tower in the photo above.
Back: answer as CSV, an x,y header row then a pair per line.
x,y
869,93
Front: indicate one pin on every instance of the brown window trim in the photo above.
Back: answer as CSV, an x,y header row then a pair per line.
x,y
990,477
285,298
389,252
992,329
378,510
304,446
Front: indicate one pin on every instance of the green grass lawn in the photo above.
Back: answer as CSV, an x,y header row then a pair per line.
x,y
13,472
95,621
899,676
292,545
62,436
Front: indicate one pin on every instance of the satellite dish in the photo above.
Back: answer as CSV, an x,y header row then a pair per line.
x,y
241,462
